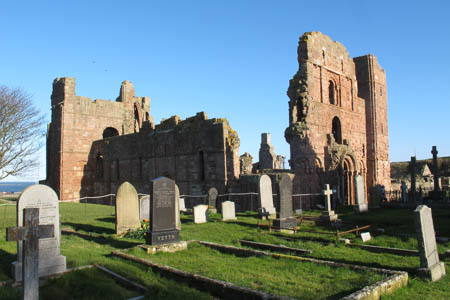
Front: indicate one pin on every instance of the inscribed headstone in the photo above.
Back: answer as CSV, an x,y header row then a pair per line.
x,y
426,239
177,207
163,212
200,213
50,259
228,211
127,209
265,194
144,208
284,217
361,204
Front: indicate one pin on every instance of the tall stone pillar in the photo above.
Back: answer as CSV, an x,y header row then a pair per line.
x,y
435,171
412,170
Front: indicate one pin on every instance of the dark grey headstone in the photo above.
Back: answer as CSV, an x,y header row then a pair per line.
x,y
285,219
163,212
212,197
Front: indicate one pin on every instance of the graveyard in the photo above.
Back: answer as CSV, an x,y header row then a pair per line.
x,y
253,259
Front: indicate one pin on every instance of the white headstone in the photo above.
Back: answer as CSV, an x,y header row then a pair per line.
x,y
228,211
426,238
50,259
200,213
265,194
144,208
361,204
182,204
365,236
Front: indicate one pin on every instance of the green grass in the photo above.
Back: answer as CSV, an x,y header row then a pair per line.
x,y
279,276
98,222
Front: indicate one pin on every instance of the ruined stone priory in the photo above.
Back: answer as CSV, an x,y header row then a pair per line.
x,y
94,146
337,120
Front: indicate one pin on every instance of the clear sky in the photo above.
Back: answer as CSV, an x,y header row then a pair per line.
x,y
231,59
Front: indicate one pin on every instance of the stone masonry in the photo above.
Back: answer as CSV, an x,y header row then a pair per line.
x,y
337,119
94,146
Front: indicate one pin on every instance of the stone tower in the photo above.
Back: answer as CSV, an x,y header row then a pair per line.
x,y
337,119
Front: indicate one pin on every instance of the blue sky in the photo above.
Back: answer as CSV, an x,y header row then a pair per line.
x,y
231,59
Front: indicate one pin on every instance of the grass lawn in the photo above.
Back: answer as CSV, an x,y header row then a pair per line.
x,y
274,275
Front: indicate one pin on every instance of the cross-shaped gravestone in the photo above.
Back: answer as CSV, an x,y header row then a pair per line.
x,y
435,170
328,192
30,234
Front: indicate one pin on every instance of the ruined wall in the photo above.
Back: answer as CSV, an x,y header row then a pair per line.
x,y
77,122
194,152
327,120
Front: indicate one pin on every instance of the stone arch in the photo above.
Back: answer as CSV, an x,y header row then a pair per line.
x,y
110,132
332,92
336,130
347,182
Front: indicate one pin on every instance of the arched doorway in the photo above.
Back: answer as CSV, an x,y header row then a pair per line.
x,y
110,132
347,181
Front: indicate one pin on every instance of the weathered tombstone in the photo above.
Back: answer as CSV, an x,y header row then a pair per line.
x,y
426,239
182,204
127,209
163,213
365,236
212,200
265,195
144,208
328,215
404,188
284,219
361,204
228,211
177,207
200,213
50,259
30,234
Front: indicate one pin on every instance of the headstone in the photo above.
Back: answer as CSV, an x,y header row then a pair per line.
x,y
412,170
265,194
144,208
200,213
228,211
404,188
435,170
177,207
50,259
361,204
30,234
182,204
328,215
365,236
284,219
127,209
426,239
212,199
162,213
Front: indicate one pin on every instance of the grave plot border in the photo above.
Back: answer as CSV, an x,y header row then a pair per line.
x,y
395,280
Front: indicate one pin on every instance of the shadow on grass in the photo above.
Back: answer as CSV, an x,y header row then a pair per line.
x,y
102,240
107,220
90,228
6,259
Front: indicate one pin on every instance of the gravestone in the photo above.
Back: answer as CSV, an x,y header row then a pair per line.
x,y
284,219
328,215
144,208
361,204
212,200
430,265
265,195
177,208
30,234
412,170
404,188
127,209
182,205
163,227
50,259
228,211
365,236
200,213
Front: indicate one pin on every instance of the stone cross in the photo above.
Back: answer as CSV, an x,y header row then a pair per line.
x,y
328,192
435,169
30,234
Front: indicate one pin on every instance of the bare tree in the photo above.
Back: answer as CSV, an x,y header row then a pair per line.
x,y
21,132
